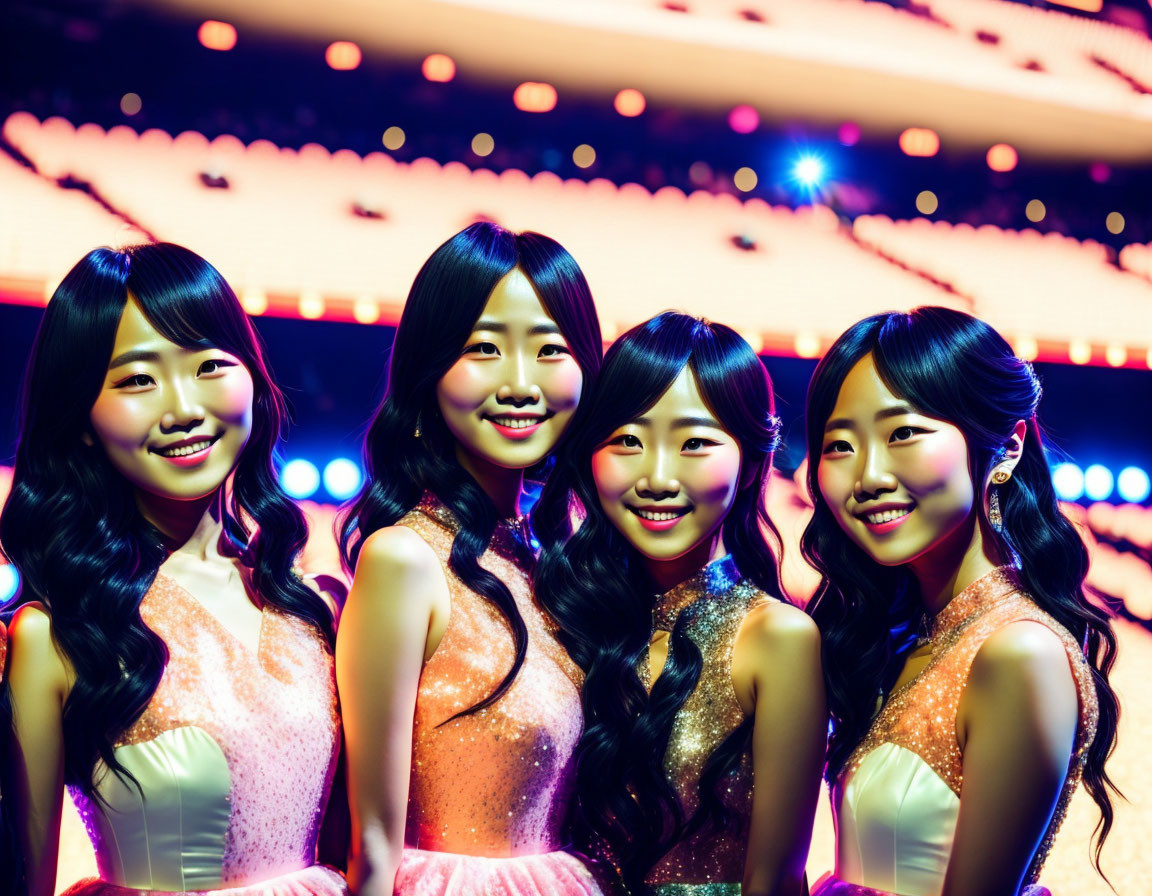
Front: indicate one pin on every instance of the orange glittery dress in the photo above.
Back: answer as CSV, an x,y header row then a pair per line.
x,y
234,756
489,791
898,799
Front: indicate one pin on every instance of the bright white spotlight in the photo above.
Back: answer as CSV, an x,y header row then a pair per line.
x,y
1098,482
342,478
1068,480
9,582
1133,485
300,478
809,170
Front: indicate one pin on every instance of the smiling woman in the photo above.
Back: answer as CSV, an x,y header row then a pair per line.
x,y
164,655
460,707
967,672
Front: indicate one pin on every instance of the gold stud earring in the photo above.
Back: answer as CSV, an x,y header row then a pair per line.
x,y
1000,477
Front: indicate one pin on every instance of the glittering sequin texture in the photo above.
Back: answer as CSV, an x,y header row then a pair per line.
x,y
718,600
271,713
921,715
498,782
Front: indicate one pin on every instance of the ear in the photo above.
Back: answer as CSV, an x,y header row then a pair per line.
x,y
1013,450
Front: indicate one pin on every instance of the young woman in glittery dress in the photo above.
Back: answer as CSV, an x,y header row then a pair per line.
x,y
700,764
967,673
166,663
461,709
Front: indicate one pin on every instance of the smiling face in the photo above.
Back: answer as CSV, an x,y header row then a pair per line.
x,y
896,481
667,479
509,397
171,420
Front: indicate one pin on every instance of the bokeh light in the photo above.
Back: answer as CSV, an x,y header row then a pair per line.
x,y
311,305
300,478
534,96
926,202
439,68
1068,481
848,133
745,179
255,301
1002,157
1035,211
1079,351
131,103
1114,222
394,138
808,170
1116,355
483,144
342,55
919,142
9,582
630,102
1100,172
1098,482
743,119
366,310
217,35
584,156
1134,485
342,478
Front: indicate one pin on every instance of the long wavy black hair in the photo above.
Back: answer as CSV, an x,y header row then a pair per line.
x,y
446,300
596,585
71,523
951,366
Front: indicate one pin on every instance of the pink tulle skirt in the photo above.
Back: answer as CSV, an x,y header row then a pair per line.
x,y
319,880
426,873
831,885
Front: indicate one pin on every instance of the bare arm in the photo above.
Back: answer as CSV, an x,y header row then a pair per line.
x,y
1017,724
393,619
777,675
38,684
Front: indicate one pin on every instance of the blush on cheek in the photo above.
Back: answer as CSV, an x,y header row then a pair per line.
x,y
610,475
562,386
124,422
235,397
717,476
464,385
939,462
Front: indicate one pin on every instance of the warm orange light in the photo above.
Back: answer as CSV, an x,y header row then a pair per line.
x,y
483,144
393,138
366,310
439,67
343,55
926,202
1085,5
535,96
1114,222
217,35
131,103
920,142
1002,157
254,300
311,305
1116,355
584,156
745,179
1035,211
807,345
630,102
1026,348
1079,351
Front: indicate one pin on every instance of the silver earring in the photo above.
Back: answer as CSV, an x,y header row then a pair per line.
x,y
417,432
994,516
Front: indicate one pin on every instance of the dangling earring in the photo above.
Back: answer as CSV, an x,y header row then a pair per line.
x,y
417,432
994,516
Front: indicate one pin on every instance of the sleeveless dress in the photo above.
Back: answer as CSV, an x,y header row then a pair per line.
x,y
234,756
897,801
489,792
709,862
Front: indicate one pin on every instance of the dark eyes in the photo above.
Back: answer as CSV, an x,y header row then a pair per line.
x,y
487,349
626,441
690,445
136,381
213,365
904,433
554,351
837,447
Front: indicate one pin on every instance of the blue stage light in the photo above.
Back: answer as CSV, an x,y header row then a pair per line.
x,y
300,478
9,582
342,478
1098,482
1068,480
1133,485
808,170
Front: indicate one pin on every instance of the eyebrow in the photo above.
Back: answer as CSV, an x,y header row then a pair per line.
x,y
131,357
495,326
896,410
681,422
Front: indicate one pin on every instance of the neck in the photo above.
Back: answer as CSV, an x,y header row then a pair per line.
x,y
502,486
185,525
667,574
963,557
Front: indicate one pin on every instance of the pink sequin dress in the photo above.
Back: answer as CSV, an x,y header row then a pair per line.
x,y
489,791
234,756
897,801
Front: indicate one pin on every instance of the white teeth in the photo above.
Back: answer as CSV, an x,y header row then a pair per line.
x,y
659,515
517,422
886,516
185,450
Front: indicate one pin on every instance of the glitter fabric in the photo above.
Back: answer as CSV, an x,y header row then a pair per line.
x,y
497,783
318,880
271,714
710,861
920,716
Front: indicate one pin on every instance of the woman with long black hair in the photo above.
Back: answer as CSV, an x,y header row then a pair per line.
x,y
166,662
967,672
700,763
460,707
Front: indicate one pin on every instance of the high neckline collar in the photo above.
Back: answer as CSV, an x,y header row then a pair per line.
x,y
987,591
713,580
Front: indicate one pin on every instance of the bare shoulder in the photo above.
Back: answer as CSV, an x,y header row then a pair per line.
x,y
1019,651
33,650
775,625
396,549
397,566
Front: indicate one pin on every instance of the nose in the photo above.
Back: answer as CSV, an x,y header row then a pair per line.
x,y
184,412
659,481
519,391
874,476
